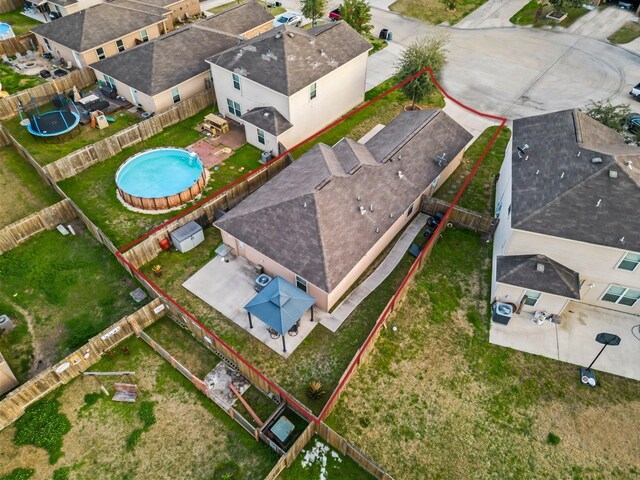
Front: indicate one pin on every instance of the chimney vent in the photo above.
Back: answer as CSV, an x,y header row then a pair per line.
x,y
596,160
540,267
613,174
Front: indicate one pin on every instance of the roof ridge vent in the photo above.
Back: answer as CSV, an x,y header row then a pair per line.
x,y
521,150
613,174
278,35
596,160
290,34
540,267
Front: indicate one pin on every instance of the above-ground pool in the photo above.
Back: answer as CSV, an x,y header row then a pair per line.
x,y
160,179
6,31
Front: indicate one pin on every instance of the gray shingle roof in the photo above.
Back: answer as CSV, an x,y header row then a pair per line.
x,y
522,271
239,19
558,190
288,59
295,217
142,7
268,119
95,26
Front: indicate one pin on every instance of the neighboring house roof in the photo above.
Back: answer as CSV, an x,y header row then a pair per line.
x,y
308,217
539,273
280,304
62,3
268,119
239,19
142,7
288,59
96,26
558,189
166,61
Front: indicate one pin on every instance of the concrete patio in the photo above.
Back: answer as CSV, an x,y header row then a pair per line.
x,y
573,341
228,287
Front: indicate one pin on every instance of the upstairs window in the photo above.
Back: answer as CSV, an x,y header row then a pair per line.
x,y
313,91
175,94
236,81
621,296
120,45
630,262
234,108
144,35
100,53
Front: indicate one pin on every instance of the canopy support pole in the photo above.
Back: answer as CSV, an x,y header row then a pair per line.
x,y
250,322
284,346
312,313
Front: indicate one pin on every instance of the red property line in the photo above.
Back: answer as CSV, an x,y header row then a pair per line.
x,y
294,402
262,167
356,359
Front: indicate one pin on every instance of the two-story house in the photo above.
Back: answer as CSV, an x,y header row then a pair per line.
x,y
567,247
288,83
101,31
173,67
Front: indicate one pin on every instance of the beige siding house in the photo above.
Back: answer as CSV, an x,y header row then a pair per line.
x,y
172,9
288,83
101,31
172,68
568,241
322,221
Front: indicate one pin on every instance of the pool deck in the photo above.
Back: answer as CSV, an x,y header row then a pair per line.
x,y
215,150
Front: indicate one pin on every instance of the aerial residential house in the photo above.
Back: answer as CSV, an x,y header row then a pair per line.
x,y
99,32
175,9
173,68
567,247
288,83
322,221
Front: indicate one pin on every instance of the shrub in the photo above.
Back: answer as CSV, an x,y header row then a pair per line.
x,y
43,426
553,439
61,473
315,390
19,474
226,471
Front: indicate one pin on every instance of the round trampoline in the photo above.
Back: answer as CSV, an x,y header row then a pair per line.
x,y
51,124
161,179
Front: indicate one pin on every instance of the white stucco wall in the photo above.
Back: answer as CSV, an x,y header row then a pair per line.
x,y
552,304
503,232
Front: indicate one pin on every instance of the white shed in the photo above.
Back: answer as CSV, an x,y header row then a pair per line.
x,y
187,237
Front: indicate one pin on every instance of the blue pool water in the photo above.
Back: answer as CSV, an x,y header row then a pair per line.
x,y
159,173
4,28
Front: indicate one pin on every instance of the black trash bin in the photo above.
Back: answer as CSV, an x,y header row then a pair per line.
x,y
383,33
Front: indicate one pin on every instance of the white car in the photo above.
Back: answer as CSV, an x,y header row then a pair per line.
x,y
635,92
288,18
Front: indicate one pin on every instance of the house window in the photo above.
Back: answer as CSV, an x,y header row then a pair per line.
x,y
509,211
531,297
498,209
59,10
100,53
621,295
48,45
301,283
236,81
234,107
410,211
261,137
144,35
630,262
110,81
120,45
313,91
175,94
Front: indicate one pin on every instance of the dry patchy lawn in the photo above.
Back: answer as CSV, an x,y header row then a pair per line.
x,y
190,438
458,407
435,11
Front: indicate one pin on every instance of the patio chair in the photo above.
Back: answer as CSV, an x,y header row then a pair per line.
x,y
6,59
19,57
273,333
293,331
31,55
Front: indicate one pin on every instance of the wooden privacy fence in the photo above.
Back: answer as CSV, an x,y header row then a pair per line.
x,y
106,148
460,216
21,44
149,248
46,219
43,93
347,448
287,459
9,5
13,405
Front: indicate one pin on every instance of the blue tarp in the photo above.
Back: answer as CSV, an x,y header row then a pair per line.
x,y
280,304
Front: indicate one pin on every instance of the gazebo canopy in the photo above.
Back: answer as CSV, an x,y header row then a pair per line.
x,y
280,305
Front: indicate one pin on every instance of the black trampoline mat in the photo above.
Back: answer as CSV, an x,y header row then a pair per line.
x,y
54,122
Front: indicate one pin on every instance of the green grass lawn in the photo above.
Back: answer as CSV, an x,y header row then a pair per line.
x,y
478,195
377,43
19,23
275,11
435,11
94,190
62,291
46,153
528,15
382,111
627,33
14,82
319,461
457,405
22,191
183,433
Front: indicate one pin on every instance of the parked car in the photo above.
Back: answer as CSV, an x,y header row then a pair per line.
x,y
635,92
335,14
288,18
633,122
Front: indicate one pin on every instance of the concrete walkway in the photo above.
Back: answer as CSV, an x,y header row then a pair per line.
x,y
493,14
374,280
600,23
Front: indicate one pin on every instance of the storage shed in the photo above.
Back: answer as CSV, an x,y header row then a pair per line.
x,y
187,237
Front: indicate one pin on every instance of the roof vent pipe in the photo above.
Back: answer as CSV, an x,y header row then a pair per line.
x,y
400,175
613,174
362,210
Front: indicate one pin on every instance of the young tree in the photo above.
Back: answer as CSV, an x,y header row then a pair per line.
x,y
313,9
613,116
425,52
357,13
